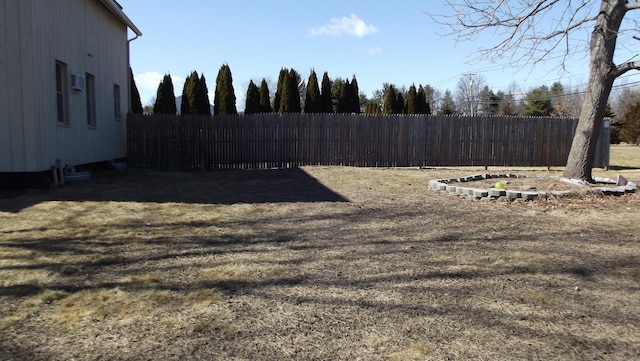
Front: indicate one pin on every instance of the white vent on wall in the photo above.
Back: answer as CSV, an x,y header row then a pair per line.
x,y
77,82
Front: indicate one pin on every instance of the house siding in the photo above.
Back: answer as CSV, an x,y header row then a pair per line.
x,y
87,37
15,23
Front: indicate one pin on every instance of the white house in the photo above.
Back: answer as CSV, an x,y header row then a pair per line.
x,y
64,83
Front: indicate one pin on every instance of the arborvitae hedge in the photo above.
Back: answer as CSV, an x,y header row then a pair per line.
x,y
313,101
390,100
224,101
277,100
344,99
252,102
165,98
354,96
265,97
136,104
373,107
202,103
327,103
399,104
189,94
422,107
412,95
290,101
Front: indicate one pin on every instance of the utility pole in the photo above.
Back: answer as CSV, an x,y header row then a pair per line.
x,y
471,93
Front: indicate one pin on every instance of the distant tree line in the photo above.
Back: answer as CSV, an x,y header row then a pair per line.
x,y
294,95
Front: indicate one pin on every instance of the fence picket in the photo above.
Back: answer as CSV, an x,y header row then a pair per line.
x,y
291,140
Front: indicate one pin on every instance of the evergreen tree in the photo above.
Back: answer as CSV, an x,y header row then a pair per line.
x,y
412,95
344,98
326,96
189,94
136,104
224,101
165,98
560,101
299,91
252,102
277,100
399,104
390,101
336,88
265,100
291,103
494,104
538,102
422,107
284,94
202,104
630,124
313,101
489,101
373,107
355,96
381,94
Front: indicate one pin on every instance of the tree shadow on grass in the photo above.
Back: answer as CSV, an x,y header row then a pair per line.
x,y
390,272
218,187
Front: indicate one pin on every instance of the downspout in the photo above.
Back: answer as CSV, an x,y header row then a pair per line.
x,y
129,76
130,72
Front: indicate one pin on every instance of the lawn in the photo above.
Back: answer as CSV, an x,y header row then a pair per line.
x,y
317,263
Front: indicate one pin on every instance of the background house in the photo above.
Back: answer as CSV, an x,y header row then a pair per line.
x,y
64,83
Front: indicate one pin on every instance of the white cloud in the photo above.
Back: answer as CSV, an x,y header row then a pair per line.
x,y
352,25
149,80
152,79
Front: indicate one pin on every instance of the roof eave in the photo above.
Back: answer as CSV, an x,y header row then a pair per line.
x,y
117,11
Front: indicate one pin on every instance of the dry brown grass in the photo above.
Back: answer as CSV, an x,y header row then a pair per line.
x,y
316,263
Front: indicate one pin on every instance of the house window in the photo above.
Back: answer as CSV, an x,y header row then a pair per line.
x,y
62,93
91,100
116,102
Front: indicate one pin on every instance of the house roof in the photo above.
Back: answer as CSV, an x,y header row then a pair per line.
x,y
116,9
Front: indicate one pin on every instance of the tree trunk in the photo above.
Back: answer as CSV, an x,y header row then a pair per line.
x,y
583,147
602,72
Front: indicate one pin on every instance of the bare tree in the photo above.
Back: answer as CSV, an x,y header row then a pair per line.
x,y
625,98
573,100
468,93
434,98
527,39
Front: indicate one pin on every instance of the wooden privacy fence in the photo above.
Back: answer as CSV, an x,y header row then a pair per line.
x,y
291,140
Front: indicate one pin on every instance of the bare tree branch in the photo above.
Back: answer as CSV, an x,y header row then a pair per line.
x,y
623,68
522,39
633,6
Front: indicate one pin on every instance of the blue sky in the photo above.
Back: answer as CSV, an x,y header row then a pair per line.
x,y
386,41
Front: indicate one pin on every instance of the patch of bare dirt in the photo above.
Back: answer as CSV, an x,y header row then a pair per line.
x,y
538,184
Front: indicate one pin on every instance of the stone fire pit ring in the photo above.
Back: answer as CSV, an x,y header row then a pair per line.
x,y
463,186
